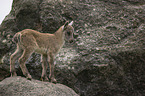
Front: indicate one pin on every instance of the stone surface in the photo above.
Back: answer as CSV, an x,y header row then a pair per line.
x,y
19,86
107,57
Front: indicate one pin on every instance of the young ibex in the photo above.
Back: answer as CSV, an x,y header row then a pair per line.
x,y
48,45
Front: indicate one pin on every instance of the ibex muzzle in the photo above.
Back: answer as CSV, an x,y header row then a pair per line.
x,y
48,45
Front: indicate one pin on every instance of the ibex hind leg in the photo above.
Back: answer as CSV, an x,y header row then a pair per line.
x,y
26,54
13,59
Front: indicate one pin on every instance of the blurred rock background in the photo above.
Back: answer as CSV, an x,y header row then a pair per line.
x,y
108,56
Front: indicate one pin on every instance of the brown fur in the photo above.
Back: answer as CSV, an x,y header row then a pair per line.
x,y
48,45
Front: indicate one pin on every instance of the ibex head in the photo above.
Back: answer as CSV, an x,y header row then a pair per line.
x,y
68,31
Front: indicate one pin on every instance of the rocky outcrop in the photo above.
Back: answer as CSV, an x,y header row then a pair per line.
x,y
18,86
107,57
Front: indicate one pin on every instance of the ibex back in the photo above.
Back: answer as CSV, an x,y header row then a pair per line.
x,y
48,45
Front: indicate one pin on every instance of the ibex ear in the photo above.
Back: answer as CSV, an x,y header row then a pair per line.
x,y
71,23
65,24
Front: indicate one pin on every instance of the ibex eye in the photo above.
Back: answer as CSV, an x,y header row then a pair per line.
x,y
68,33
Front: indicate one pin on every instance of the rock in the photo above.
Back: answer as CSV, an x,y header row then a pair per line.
x,y
107,57
19,86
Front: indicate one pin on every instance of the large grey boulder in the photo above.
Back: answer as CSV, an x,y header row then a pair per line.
x,y
19,86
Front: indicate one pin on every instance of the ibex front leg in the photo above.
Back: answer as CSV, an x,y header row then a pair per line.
x,y
51,66
44,67
26,54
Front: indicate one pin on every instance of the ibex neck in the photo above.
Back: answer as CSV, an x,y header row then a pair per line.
x,y
60,35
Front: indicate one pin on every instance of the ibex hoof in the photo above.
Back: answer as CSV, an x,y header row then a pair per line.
x,y
44,79
13,74
28,77
53,80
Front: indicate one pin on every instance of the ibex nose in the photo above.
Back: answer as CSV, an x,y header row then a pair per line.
x,y
71,41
